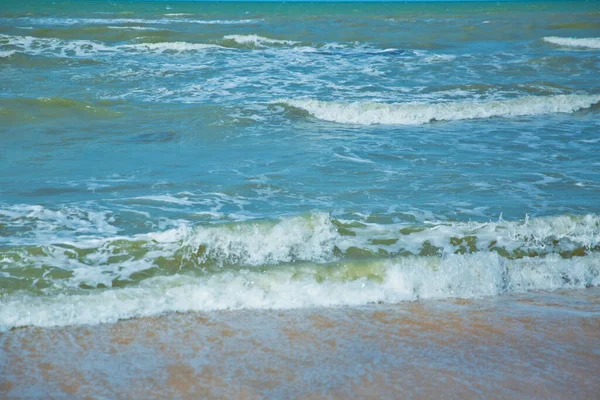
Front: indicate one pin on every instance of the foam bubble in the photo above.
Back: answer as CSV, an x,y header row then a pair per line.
x,y
591,43
369,113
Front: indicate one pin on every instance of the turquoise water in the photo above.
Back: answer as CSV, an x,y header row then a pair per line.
x,y
160,157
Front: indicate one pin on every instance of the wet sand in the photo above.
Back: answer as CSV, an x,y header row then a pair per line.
x,y
534,345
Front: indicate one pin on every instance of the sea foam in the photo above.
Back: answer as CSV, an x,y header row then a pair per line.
x,y
87,48
369,113
257,40
591,43
176,47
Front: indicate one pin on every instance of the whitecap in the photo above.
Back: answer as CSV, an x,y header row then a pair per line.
x,y
591,43
369,113
257,40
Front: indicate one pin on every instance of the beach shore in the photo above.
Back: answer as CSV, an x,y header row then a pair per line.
x,y
533,345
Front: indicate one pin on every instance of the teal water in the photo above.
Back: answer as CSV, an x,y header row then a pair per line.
x,y
159,157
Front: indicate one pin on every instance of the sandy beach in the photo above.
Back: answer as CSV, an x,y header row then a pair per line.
x,y
536,345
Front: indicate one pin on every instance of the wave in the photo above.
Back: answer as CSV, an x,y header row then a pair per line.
x,y
133,28
175,47
369,113
86,48
303,261
592,43
72,240
6,54
65,48
350,284
257,40
119,21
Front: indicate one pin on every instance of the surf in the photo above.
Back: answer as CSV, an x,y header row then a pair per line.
x,y
590,43
373,113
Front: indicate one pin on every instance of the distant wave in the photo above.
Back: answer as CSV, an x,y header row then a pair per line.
x,y
257,40
370,113
169,47
117,21
591,43
83,48
36,46
133,28
178,15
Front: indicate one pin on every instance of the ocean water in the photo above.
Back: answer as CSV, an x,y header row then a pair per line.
x,y
160,157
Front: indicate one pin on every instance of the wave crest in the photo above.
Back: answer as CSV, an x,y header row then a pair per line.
x,y
370,113
258,41
303,261
591,43
86,48
354,284
174,47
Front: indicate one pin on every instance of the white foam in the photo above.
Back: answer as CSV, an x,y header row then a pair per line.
x,y
6,54
86,48
456,276
163,47
43,224
369,113
133,28
118,21
291,239
290,254
439,58
167,199
591,43
257,40
65,48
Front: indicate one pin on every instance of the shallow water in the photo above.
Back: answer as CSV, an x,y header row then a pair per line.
x,y
533,345
203,156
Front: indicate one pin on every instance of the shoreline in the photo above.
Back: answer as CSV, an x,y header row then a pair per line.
x,y
540,344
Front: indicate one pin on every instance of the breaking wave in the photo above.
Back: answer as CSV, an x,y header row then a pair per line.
x,y
258,40
304,261
86,48
176,47
369,113
591,43
349,284
6,54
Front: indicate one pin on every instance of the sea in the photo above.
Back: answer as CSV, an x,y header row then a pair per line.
x,y
299,200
